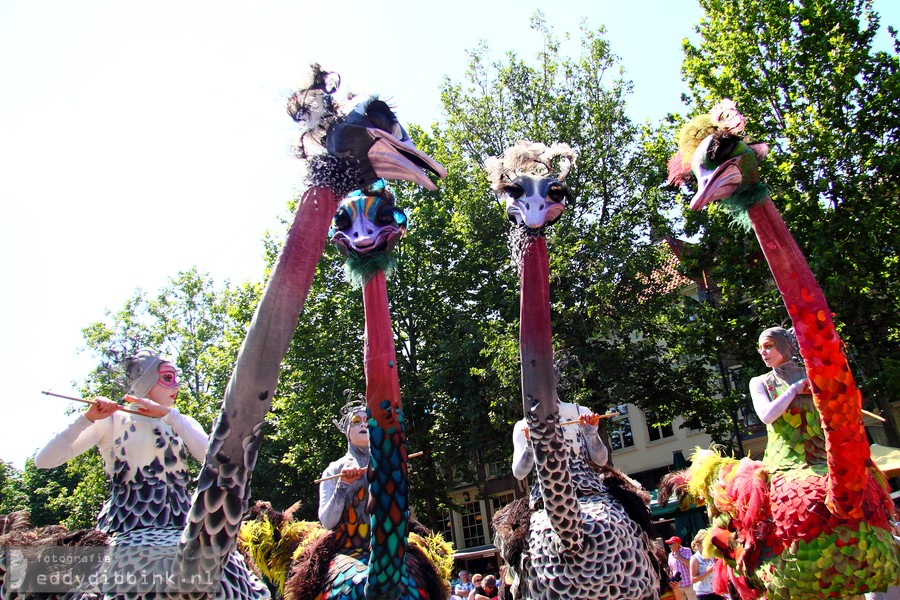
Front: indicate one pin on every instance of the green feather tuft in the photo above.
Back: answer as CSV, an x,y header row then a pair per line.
x,y
360,269
692,133
740,202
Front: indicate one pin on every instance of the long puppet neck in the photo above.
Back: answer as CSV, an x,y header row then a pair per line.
x,y
834,389
540,403
223,486
388,483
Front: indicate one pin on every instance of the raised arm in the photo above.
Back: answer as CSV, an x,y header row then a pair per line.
x,y
523,458
81,435
590,422
769,410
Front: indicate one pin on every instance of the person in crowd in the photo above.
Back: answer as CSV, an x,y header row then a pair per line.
x,y
485,588
679,562
702,570
462,589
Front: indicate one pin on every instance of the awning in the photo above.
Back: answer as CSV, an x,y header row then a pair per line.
x,y
476,552
887,458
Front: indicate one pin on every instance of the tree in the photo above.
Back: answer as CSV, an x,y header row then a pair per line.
x,y
809,82
12,496
458,288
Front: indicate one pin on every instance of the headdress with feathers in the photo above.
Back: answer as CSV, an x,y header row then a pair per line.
x,y
530,158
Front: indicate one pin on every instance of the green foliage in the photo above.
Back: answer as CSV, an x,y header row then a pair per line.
x,y
810,84
12,493
604,252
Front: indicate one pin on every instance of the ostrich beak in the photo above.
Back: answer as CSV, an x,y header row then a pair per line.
x,y
714,181
717,184
534,212
395,159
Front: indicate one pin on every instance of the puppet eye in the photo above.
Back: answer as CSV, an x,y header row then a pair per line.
x,y
342,220
381,115
513,191
384,215
558,193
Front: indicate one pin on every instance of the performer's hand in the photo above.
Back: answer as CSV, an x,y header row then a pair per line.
x,y
148,407
592,419
351,474
104,408
803,386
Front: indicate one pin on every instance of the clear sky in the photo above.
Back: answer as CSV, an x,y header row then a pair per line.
x,y
141,139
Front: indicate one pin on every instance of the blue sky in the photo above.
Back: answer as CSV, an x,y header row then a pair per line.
x,y
141,139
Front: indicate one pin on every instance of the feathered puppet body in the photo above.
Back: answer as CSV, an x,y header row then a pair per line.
x,y
812,520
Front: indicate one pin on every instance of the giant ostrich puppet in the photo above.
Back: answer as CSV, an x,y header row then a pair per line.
x,y
587,536
811,520
368,553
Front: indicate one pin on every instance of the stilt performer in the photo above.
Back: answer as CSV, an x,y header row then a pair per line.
x,y
586,536
812,520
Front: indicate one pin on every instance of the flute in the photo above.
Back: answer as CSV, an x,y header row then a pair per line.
x,y
337,475
608,415
128,410
874,416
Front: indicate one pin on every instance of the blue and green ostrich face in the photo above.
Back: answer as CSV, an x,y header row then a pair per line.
x,y
367,223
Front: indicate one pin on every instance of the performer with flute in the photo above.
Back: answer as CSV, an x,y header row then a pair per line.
x,y
144,448
584,447
343,499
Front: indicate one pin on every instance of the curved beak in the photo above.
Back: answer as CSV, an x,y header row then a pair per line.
x,y
717,184
713,182
394,159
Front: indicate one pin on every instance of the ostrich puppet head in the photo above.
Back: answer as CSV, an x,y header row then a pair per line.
x,y
712,150
529,178
349,151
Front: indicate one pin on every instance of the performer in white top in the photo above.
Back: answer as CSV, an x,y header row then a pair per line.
x,y
143,455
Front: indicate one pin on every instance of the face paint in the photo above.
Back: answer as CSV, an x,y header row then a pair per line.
x,y
358,430
168,376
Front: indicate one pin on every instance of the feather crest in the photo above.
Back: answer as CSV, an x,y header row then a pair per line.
x,y
530,158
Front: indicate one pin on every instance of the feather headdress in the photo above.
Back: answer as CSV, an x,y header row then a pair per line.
x,y
723,120
530,158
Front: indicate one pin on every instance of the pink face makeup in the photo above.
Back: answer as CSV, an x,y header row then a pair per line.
x,y
168,377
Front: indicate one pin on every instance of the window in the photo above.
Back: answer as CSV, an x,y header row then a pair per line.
x,y
620,428
444,525
657,431
473,532
492,470
501,500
